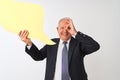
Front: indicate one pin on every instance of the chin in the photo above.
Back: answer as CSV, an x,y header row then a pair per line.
x,y
65,39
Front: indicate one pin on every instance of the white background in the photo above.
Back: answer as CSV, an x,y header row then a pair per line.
x,y
99,19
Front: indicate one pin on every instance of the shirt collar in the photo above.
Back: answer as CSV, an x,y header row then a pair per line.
x,y
61,41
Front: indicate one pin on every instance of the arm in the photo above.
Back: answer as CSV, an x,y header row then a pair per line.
x,y
35,53
88,45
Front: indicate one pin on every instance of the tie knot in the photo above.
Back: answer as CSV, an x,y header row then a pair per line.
x,y
65,42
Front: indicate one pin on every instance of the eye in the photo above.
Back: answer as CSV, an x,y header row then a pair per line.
x,y
69,28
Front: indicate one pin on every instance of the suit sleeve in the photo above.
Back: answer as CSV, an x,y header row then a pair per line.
x,y
35,53
87,44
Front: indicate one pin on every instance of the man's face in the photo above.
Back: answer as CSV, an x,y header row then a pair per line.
x,y
62,29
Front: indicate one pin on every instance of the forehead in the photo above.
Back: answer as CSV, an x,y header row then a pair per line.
x,y
63,22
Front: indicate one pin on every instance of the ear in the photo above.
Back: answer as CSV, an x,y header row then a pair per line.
x,y
57,28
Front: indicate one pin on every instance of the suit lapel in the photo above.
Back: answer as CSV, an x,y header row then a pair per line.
x,y
72,45
54,51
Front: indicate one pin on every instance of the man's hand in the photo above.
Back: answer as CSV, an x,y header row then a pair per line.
x,y
71,28
24,37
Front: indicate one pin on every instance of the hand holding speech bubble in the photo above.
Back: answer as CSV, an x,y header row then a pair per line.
x,y
16,16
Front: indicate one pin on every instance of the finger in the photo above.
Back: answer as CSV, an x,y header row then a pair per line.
x,y
22,34
25,33
70,22
19,33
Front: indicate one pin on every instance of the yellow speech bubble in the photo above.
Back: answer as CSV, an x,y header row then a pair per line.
x,y
16,16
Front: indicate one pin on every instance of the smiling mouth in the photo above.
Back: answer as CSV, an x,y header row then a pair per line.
x,y
64,34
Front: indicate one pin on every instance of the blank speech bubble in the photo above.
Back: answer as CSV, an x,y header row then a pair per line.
x,y
16,16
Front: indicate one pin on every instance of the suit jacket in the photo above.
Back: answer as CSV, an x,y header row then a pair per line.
x,y
79,46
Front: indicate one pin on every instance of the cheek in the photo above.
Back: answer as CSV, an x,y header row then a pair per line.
x,y
69,35
60,31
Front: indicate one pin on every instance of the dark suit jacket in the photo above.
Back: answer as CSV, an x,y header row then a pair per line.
x,y
79,46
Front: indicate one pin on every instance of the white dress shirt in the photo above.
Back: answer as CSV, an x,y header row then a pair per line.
x,y
58,68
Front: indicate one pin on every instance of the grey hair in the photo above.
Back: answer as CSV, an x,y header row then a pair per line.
x,y
65,18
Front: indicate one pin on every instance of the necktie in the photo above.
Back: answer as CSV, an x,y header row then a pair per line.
x,y
65,73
